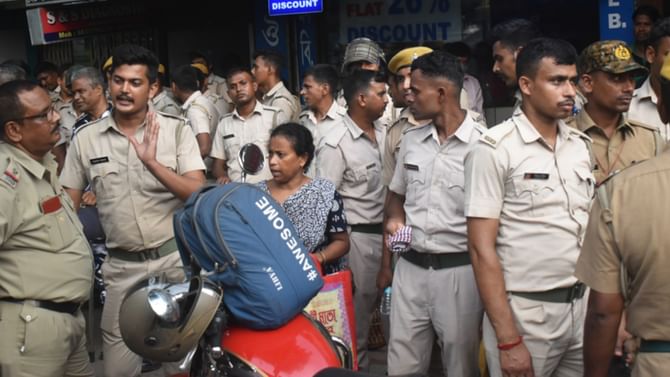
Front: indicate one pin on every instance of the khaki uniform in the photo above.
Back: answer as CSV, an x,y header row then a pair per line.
x,y
643,109
638,208
222,107
354,164
165,104
632,142
217,85
44,256
135,210
318,128
392,144
200,114
283,99
541,197
234,131
430,300
67,119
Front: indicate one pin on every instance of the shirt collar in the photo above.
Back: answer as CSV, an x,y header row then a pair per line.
x,y
585,123
463,132
258,109
274,90
646,91
356,131
33,166
529,133
190,100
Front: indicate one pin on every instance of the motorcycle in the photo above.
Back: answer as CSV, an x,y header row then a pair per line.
x,y
170,318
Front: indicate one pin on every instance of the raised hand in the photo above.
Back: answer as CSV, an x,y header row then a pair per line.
x,y
146,151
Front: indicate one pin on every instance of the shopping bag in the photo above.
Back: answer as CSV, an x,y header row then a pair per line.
x,y
333,306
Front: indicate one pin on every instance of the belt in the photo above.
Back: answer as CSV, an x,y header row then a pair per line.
x,y
140,256
654,346
564,295
368,228
437,261
61,307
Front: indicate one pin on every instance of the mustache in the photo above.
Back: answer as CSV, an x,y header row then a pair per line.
x,y
122,97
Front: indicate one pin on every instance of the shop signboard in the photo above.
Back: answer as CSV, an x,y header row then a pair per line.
x,y
616,20
53,24
291,7
397,21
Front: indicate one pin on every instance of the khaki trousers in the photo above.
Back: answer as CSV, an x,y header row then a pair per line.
x,y
38,342
428,302
365,253
552,332
651,364
120,275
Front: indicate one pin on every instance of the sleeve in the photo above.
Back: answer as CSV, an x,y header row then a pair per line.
x,y
8,213
337,222
188,153
217,143
599,265
286,107
484,182
389,160
399,179
281,117
199,120
330,164
172,108
73,174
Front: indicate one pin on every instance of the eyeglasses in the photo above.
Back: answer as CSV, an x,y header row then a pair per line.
x,y
41,117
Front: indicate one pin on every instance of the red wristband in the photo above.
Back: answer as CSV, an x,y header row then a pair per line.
x,y
510,345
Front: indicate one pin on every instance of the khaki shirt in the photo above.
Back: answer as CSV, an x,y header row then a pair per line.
x,y
222,107
44,254
643,109
318,128
540,195
632,142
217,84
135,208
163,103
348,158
430,177
638,207
198,110
282,98
392,142
234,131
67,119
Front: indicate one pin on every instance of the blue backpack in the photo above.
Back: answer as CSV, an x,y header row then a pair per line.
x,y
245,242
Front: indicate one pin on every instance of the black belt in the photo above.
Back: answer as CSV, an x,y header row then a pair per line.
x,y
564,295
368,228
61,307
140,256
437,261
654,346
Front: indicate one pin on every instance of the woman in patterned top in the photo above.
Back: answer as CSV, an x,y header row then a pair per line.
x,y
313,205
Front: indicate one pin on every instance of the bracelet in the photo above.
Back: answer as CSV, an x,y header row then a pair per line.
x,y
510,345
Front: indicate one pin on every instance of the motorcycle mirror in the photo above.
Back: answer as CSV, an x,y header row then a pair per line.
x,y
163,305
251,159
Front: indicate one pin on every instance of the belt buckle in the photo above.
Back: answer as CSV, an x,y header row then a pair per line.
x,y
576,291
149,254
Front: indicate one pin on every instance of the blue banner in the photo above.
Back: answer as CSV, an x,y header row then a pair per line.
x,y
271,34
290,7
616,20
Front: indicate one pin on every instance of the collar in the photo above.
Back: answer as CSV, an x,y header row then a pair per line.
x,y
190,100
646,92
585,123
529,133
274,90
463,132
107,122
158,97
258,109
33,166
356,131
335,111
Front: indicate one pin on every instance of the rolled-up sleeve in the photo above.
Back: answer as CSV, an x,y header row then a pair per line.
x,y
484,182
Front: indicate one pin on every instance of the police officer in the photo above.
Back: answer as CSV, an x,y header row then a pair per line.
x,y
399,68
88,89
215,83
607,79
250,122
163,101
194,106
434,289
624,262
45,261
216,105
528,190
267,73
68,115
141,165
350,155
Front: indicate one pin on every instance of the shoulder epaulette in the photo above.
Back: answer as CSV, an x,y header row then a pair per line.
x,y
10,174
493,136
637,123
87,125
270,108
333,137
579,133
415,128
169,115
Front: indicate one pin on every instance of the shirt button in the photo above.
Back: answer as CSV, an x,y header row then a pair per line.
x,y
29,318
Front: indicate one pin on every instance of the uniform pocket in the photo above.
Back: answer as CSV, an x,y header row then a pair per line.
x,y
586,183
105,179
535,196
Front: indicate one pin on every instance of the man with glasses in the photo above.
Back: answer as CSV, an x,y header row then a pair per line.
x,y
45,261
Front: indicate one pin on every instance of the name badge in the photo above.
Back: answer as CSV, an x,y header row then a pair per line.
x,y
229,136
411,167
99,160
372,165
542,176
50,205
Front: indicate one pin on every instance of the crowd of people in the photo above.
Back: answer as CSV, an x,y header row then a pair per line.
x,y
540,237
